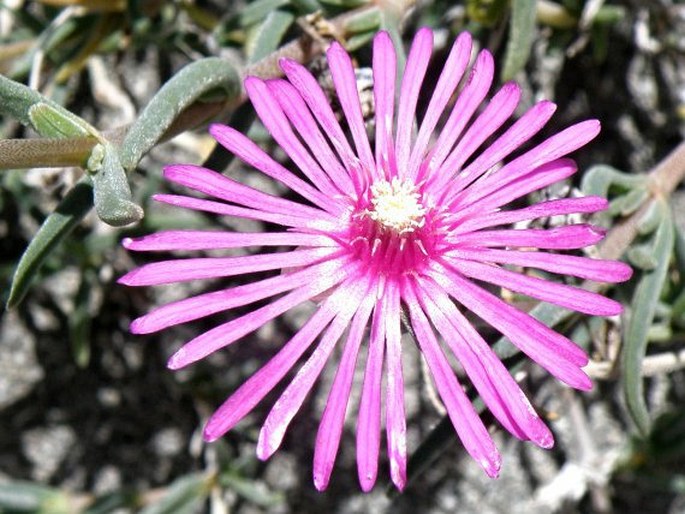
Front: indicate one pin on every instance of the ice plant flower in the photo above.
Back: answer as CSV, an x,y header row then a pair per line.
x,y
416,223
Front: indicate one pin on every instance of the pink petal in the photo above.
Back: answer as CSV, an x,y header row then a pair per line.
x,y
240,403
520,132
470,429
414,73
333,418
495,385
207,304
568,237
219,186
565,296
554,352
229,332
345,82
384,76
564,206
197,204
498,110
249,152
180,270
183,240
469,99
469,203
369,419
285,408
275,121
299,115
599,270
396,423
451,74
311,92
558,145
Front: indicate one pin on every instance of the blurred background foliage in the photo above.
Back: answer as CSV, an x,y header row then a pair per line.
x,y
97,95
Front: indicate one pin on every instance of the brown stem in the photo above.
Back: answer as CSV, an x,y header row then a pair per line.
x,y
44,152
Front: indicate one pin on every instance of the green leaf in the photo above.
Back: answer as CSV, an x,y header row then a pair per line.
x,y
640,320
49,121
69,213
253,491
19,497
598,179
361,22
521,37
650,221
112,193
183,89
258,10
184,495
641,256
46,117
627,204
266,37
112,503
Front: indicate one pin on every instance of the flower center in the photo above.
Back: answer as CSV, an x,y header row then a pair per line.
x,y
396,206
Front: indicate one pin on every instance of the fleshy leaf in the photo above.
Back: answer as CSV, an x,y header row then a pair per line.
x,y
182,90
112,193
266,37
183,496
642,312
521,37
71,210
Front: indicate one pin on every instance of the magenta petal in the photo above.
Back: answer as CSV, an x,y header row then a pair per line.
x,y
469,427
384,74
261,383
207,304
470,202
229,332
569,297
554,352
298,113
451,74
333,418
498,110
316,100
467,103
369,420
224,209
563,206
170,240
492,380
346,87
285,408
217,185
414,72
275,121
396,423
599,270
553,148
180,270
520,132
568,237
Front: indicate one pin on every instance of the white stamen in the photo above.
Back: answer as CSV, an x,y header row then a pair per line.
x,y
397,206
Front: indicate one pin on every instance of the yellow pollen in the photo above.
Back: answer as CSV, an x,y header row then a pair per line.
x,y
397,206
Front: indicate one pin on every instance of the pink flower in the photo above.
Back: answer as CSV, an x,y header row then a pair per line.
x,y
415,222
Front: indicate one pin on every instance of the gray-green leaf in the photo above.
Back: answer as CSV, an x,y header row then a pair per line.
x,y
521,37
640,320
71,210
